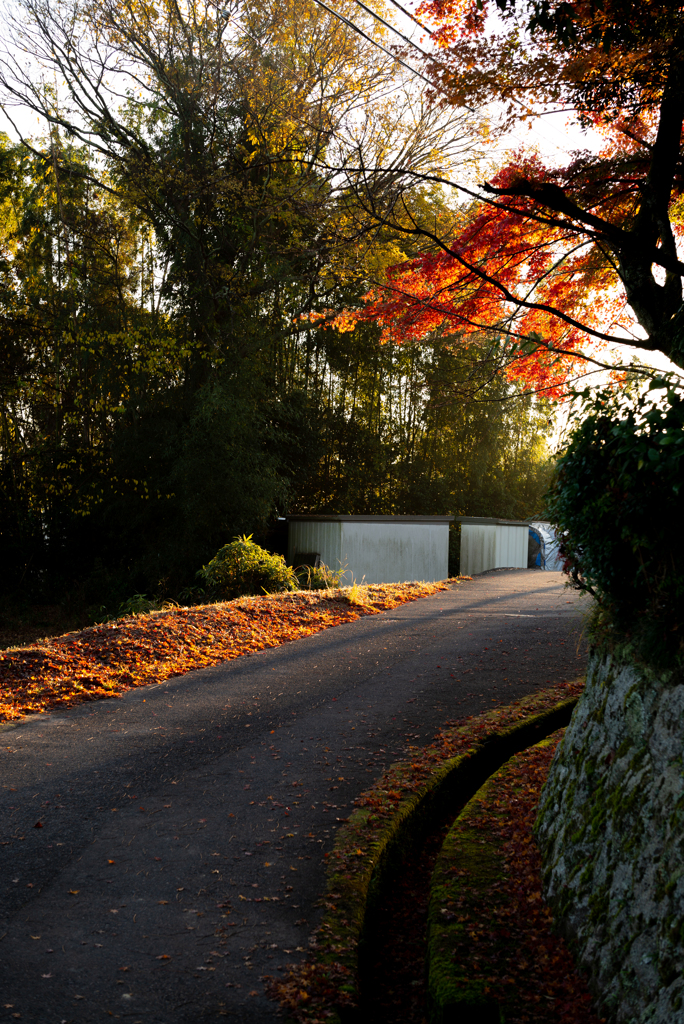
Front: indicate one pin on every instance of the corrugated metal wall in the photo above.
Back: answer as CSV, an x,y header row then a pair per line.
x,y
375,552
324,538
478,548
493,544
395,552
511,546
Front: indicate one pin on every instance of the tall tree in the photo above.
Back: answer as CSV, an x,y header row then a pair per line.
x,y
417,428
558,257
205,131
216,120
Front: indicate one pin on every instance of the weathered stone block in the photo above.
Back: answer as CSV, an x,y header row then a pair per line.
x,y
611,832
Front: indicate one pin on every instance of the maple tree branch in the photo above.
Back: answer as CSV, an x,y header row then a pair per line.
x,y
502,363
498,285
554,197
509,332
554,266
635,138
472,394
652,254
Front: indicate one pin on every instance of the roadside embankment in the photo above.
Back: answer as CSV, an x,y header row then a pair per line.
x,y
109,659
610,832
389,819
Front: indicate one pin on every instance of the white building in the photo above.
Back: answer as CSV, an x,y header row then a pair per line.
x,y
373,549
492,544
504,544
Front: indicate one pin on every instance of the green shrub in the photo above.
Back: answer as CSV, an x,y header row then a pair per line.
x,y
617,501
139,604
242,567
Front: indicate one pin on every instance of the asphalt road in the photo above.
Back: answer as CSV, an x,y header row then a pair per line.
x,y
183,827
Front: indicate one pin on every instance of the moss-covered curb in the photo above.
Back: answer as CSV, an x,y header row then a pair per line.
x,y
394,815
470,865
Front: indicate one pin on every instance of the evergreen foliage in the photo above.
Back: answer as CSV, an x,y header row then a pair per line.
x,y
128,452
242,567
167,268
617,499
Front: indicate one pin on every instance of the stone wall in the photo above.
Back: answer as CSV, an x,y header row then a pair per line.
x,y
611,832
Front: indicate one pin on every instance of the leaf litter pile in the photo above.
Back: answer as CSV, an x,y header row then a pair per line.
x,y
109,659
393,989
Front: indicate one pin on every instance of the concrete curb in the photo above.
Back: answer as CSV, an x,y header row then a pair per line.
x,y
365,856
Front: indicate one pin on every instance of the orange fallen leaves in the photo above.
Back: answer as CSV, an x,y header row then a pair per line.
x,y
109,659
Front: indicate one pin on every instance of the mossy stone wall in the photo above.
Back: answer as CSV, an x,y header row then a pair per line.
x,y
611,833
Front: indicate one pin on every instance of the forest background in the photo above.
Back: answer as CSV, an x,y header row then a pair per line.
x,y
170,263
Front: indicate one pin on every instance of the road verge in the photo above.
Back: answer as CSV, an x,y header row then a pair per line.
x,y
388,821
106,660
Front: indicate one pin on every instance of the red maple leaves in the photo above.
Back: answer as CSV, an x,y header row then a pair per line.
x,y
513,269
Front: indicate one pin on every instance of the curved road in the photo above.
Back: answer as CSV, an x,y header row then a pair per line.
x,y
182,828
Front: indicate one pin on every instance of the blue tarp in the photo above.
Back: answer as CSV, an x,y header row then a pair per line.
x,y
547,556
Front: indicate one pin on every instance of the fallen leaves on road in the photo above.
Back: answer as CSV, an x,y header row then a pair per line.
x,y
109,659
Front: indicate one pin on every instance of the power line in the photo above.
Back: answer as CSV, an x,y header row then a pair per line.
x,y
352,25
392,28
298,78
412,17
355,28
433,84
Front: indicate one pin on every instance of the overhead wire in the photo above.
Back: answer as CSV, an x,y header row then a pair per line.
x,y
434,85
392,28
352,25
355,28
412,17
305,122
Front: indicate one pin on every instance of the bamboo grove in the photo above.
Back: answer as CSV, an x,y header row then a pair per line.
x,y
170,267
